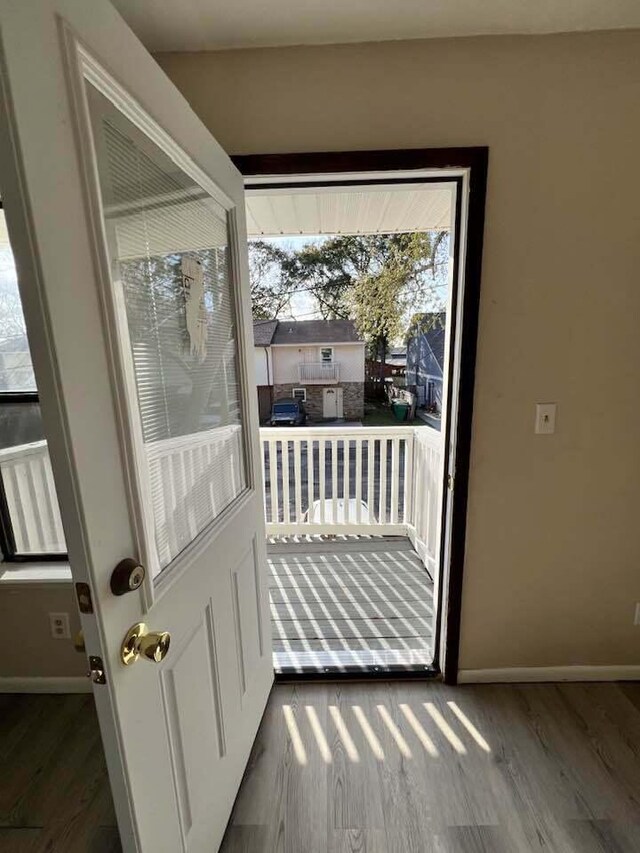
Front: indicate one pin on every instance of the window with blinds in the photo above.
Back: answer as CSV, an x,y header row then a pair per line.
x,y
170,256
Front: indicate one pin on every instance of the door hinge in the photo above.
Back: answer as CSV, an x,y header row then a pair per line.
x,y
96,670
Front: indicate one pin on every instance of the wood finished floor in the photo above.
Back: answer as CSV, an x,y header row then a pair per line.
x,y
385,767
54,792
403,767
349,604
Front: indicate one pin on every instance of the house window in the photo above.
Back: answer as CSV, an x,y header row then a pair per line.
x,y
30,525
326,355
300,394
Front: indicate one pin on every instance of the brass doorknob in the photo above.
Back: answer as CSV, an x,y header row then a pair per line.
x,y
139,641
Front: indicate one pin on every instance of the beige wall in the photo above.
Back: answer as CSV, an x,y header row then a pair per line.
x,y
27,649
553,559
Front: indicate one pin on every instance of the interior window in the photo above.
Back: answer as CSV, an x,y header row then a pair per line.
x,y
31,525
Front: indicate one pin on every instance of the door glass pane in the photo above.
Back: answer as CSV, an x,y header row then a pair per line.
x,y
170,255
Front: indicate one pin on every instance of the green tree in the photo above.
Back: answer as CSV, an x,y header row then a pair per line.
x,y
424,321
373,279
269,291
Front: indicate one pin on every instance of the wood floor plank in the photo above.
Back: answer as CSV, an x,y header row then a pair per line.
x,y
424,767
14,840
54,790
383,767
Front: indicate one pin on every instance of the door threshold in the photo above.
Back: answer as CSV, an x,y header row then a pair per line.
x,y
331,673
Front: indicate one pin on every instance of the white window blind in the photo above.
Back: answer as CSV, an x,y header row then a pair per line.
x,y
169,248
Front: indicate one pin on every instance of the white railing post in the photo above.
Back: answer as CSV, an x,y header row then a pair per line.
x,y
409,468
424,524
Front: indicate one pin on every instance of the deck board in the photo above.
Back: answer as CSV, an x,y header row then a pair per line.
x,y
349,604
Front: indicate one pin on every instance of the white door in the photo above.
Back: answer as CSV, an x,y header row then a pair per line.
x,y
127,221
332,402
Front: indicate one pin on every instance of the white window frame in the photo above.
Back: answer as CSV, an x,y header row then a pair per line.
x,y
294,391
324,360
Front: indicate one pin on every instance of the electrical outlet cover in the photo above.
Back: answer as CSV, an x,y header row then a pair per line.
x,y
60,628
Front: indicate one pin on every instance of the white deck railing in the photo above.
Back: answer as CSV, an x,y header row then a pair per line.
x,y
321,371
317,480
32,502
354,480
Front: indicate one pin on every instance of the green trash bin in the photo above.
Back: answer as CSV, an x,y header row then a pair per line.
x,y
400,410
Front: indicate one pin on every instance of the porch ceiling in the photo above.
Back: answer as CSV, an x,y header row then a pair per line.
x,y
367,210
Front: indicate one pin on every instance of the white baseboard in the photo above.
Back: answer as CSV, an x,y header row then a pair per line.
x,y
72,684
548,673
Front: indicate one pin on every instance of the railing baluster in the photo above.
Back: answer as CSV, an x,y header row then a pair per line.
x,y
321,477
310,477
383,481
285,481
33,508
395,470
297,478
16,502
273,481
57,533
346,476
264,445
407,508
371,476
358,444
334,481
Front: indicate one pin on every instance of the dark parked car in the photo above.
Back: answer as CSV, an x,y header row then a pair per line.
x,y
288,413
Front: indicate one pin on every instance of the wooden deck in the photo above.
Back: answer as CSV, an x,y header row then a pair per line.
x,y
349,605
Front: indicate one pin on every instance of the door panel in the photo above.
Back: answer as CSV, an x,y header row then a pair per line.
x,y
177,734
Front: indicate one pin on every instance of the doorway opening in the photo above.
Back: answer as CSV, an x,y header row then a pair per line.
x,y
365,267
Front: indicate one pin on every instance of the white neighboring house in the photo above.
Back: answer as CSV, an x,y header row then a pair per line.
x,y
320,361
263,332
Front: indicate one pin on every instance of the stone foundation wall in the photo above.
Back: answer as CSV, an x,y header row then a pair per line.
x,y
352,398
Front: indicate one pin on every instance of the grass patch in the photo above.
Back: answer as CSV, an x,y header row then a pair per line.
x,y
376,414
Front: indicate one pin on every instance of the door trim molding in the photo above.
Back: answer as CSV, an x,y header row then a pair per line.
x,y
45,684
549,673
474,161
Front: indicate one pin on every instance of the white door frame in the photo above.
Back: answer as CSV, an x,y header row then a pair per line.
x,y
467,167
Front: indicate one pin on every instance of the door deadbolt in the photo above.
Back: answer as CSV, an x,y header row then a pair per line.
x,y
140,642
127,576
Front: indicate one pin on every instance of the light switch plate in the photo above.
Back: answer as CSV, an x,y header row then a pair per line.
x,y
545,418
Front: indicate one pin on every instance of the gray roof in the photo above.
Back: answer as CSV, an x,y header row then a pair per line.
x,y
263,331
316,332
